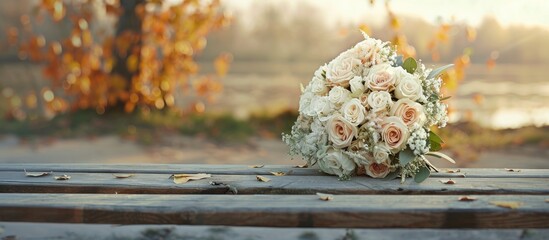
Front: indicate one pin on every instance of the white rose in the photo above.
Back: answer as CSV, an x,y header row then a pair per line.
x,y
340,70
379,101
377,170
318,86
321,106
336,163
340,131
339,95
394,133
381,78
409,112
408,87
354,112
357,86
381,154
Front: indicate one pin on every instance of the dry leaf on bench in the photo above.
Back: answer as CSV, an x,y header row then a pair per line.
x,y
447,170
325,197
504,204
467,199
512,170
62,177
301,166
256,166
449,181
184,177
262,179
36,174
123,175
278,174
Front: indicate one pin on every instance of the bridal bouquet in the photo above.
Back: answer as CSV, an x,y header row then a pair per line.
x,y
367,112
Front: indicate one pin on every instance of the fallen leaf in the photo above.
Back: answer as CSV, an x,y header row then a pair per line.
x,y
62,177
449,181
512,170
325,197
262,179
123,175
447,170
185,177
301,166
278,174
36,174
504,204
547,200
467,199
256,166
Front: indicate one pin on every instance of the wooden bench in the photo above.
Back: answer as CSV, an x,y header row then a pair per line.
x,y
234,197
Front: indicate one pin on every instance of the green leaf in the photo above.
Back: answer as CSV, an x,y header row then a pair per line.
x,y
445,98
438,71
435,146
422,174
410,65
406,156
391,175
441,155
433,137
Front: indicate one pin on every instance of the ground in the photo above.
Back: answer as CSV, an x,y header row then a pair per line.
x,y
113,149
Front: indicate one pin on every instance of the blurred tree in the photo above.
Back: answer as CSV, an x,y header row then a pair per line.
x,y
119,55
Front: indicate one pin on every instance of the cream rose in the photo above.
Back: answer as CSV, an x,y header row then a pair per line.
x,y
409,112
364,99
339,95
408,87
340,70
340,131
336,163
377,170
381,78
381,154
354,112
357,86
394,133
379,101
367,51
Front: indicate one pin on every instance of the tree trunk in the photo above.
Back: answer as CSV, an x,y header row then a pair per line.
x,y
129,28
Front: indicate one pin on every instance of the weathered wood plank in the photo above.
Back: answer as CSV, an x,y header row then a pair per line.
x,y
104,231
246,170
344,211
17,182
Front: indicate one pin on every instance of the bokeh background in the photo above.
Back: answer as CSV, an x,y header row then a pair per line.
x,y
104,81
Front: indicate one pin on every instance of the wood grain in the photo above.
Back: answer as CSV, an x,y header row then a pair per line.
x,y
344,211
104,231
246,170
17,182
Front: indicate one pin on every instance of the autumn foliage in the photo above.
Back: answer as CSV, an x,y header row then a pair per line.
x,y
143,57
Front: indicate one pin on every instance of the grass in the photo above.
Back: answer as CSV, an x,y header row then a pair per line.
x,y
464,140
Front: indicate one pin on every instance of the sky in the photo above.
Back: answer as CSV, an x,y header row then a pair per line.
x,y
508,12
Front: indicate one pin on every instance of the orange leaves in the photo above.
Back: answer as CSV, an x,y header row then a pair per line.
x,y
137,66
491,62
55,8
222,63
